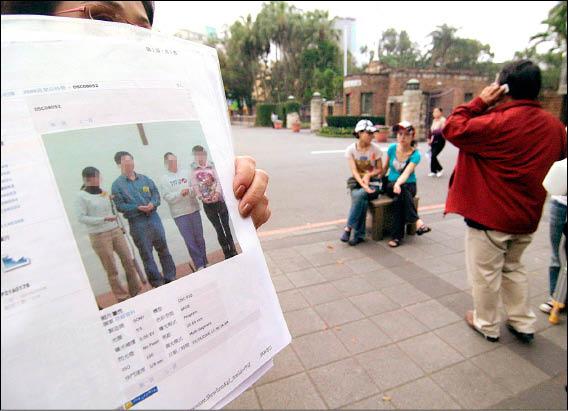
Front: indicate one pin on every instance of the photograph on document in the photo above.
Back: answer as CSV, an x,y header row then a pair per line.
x,y
144,202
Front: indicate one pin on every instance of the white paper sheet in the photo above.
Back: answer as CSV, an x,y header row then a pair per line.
x,y
73,93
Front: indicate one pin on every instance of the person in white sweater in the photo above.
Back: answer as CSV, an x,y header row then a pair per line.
x,y
94,211
176,190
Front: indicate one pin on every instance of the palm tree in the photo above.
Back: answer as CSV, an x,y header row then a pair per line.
x,y
442,39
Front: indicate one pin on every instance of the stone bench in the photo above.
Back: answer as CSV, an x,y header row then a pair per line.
x,y
382,218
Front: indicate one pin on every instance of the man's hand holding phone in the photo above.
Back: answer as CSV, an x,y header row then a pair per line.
x,y
493,93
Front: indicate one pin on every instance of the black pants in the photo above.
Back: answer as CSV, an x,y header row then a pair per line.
x,y
437,147
218,214
404,211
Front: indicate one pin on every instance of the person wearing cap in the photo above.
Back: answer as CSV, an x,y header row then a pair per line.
x,y
249,183
507,143
364,158
400,163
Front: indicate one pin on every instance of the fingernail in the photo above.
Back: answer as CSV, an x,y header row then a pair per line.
x,y
246,209
240,191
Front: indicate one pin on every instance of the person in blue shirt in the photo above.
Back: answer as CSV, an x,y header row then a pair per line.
x,y
401,161
137,198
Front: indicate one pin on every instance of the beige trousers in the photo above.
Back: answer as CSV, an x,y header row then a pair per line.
x,y
493,262
105,245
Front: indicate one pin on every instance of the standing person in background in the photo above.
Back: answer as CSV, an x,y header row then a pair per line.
x,y
400,163
364,158
205,182
184,208
555,183
507,144
436,141
94,210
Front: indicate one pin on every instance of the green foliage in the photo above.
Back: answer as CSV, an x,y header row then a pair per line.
x,y
556,28
263,113
336,132
350,121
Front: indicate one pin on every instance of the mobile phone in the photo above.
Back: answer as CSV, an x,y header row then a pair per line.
x,y
505,88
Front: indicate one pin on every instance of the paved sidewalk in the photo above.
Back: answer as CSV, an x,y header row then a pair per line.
x,y
381,328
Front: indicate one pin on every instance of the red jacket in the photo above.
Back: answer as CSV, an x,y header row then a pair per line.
x,y
504,156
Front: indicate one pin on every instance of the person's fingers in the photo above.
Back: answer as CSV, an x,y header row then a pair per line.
x,y
244,175
261,213
255,194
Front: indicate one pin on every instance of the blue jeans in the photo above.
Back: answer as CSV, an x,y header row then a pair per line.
x,y
191,229
358,213
148,233
557,220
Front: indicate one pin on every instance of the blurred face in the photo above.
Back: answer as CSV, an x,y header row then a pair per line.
x,y
365,137
405,137
128,12
126,165
172,163
437,113
94,181
201,157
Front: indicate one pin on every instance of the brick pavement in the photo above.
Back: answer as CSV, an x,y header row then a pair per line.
x,y
380,328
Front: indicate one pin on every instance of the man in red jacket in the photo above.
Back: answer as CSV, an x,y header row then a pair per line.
x,y
507,144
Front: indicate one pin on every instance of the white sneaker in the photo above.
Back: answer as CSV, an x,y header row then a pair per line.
x,y
546,307
439,174
431,174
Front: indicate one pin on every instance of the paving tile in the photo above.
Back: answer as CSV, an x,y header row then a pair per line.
x,y
383,278
399,324
405,294
335,271
343,382
432,314
470,386
272,267
303,278
456,260
319,349
352,286
435,266
338,312
457,278
421,394
282,283
410,272
303,322
376,402
549,395
363,265
430,352
286,363
467,342
543,354
296,392
459,303
246,401
321,293
386,258
288,260
434,287
374,303
509,369
556,334
292,300
389,367
361,336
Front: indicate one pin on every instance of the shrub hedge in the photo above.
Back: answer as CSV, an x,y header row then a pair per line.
x,y
336,132
351,121
264,110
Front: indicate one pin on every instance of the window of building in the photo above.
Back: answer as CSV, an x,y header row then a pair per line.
x,y
366,104
330,110
348,104
467,97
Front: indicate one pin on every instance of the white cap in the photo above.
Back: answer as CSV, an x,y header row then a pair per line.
x,y
364,125
403,125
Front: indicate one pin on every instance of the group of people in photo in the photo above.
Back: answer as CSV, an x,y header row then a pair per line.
x,y
137,197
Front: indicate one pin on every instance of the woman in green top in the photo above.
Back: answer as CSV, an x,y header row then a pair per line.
x,y
401,161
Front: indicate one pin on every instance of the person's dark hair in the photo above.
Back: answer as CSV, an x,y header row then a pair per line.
x,y
439,108
198,149
523,78
89,172
119,154
47,8
169,153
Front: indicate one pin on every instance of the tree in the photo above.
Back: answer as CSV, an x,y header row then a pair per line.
x,y
556,28
442,39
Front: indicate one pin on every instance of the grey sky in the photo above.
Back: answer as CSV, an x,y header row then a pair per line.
x,y
506,26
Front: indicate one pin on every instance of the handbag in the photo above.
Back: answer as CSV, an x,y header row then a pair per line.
x,y
352,183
